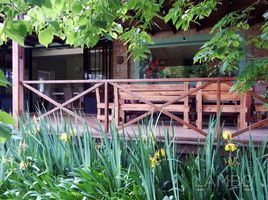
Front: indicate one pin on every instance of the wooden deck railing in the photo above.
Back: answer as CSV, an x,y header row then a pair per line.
x,y
150,96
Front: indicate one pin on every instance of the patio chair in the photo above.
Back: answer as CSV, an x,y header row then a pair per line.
x,y
101,107
158,94
206,102
259,108
68,95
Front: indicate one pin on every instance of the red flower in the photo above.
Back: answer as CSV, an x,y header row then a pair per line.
x,y
156,62
146,69
148,73
154,68
162,67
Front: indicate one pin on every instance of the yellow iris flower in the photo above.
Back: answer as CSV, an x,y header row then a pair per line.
x,y
64,137
227,135
157,155
23,165
37,130
162,152
153,162
230,147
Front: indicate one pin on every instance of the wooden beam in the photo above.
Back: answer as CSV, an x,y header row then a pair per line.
x,y
18,76
54,103
218,106
251,93
163,80
256,125
58,105
106,108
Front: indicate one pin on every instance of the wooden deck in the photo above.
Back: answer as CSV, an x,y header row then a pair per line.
x,y
182,136
185,101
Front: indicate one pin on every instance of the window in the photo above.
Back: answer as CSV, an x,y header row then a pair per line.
x,y
177,62
97,63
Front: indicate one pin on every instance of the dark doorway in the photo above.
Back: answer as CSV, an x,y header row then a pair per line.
x,y
97,65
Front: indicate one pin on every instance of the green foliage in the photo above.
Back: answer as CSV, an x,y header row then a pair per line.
x,y
3,80
83,22
253,71
137,40
227,45
6,118
261,41
184,12
6,121
44,164
227,48
16,31
46,36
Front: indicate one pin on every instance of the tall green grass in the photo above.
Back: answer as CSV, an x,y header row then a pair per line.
x,y
59,159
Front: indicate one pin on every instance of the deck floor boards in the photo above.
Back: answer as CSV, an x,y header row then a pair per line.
x,y
182,135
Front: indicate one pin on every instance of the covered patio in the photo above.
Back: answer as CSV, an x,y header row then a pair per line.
x,y
187,102
124,95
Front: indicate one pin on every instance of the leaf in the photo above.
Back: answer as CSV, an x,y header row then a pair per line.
x,y
76,8
17,31
107,36
265,15
5,131
59,4
3,80
119,28
115,4
71,38
236,43
45,36
168,16
82,20
43,3
55,25
114,35
6,118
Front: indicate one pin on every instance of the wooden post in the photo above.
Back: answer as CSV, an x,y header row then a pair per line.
x,y
18,75
116,106
186,104
243,110
218,105
106,107
199,121
98,104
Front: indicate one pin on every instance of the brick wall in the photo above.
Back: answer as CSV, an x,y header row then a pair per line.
x,y
127,69
120,71
260,87
255,52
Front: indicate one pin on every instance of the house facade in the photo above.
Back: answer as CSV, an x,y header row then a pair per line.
x,y
58,67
